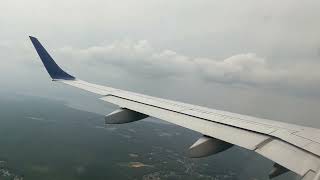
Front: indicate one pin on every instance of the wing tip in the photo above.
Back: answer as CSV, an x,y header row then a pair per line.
x,y
32,38
52,68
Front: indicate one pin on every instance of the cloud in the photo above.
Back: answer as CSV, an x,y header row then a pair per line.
x,y
241,68
140,58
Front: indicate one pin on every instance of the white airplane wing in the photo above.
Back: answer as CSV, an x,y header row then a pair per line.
x,y
292,147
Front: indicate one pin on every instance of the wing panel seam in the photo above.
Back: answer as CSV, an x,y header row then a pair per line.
x,y
272,137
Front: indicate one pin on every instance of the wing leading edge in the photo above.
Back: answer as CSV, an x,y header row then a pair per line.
x,y
291,147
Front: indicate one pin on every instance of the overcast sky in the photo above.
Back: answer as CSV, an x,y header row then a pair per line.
x,y
254,57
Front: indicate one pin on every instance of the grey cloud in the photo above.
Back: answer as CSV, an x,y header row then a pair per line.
x,y
139,57
136,56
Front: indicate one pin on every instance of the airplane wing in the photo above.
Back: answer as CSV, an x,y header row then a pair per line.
x,y
292,147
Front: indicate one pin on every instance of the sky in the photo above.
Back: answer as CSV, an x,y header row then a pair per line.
x,y
258,58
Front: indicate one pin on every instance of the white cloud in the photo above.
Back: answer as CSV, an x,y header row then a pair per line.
x,y
139,57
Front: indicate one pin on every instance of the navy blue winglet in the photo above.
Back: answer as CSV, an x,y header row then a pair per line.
x,y
53,69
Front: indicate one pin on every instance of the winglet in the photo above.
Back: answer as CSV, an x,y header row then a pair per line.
x,y
53,69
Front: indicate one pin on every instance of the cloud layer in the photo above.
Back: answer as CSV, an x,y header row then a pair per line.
x,y
139,57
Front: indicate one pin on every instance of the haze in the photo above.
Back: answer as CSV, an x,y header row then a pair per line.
x,y
256,58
